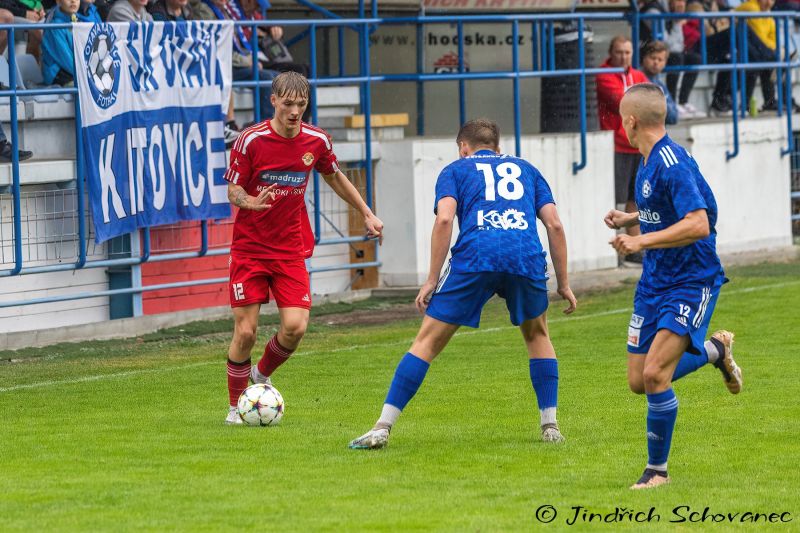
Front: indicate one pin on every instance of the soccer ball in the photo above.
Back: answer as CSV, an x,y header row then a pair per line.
x,y
101,65
260,405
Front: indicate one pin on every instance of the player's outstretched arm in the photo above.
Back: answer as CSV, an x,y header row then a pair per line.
x,y
558,251
345,190
691,228
239,197
440,241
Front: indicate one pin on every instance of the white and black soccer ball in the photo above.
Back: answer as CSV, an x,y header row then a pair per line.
x,y
101,65
260,405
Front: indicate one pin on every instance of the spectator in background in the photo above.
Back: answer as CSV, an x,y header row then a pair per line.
x,y
170,10
611,88
6,17
654,58
58,59
242,51
6,150
274,55
25,12
766,50
682,52
761,47
129,11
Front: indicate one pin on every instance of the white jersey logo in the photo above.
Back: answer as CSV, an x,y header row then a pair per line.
x,y
510,219
647,189
649,217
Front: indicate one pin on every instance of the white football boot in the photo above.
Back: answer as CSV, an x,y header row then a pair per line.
x,y
374,439
233,417
256,377
551,433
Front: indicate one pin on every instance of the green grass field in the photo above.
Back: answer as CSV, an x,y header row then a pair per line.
x,y
128,435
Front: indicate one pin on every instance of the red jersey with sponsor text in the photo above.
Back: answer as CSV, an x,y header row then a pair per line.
x,y
259,158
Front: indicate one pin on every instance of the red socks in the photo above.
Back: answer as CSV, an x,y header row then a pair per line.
x,y
274,356
238,374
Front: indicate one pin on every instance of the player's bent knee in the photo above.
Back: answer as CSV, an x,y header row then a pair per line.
x,y
655,377
636,386
245,335
294,330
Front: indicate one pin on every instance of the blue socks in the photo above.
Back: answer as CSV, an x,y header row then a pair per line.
x,y
544,378
662,410
407,378
688,364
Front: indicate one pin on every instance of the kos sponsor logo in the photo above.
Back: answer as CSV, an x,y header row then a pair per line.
x,y
650,217
510,219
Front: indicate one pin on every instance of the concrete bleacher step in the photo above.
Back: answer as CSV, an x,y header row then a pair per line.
x,y
394,133
40,171
348,96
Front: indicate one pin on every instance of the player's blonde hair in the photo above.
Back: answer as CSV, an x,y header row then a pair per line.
x,y
290,83
480,132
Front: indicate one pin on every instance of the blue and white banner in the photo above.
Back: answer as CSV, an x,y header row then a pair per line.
x,y
153,102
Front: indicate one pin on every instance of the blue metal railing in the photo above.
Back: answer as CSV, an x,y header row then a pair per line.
x,y
542,65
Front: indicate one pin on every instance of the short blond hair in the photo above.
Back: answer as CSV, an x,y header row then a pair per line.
x,y
288,83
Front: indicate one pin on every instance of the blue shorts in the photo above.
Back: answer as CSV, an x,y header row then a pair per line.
x,y
460,297
684,310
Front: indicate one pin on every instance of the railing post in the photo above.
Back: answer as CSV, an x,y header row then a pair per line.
x,y
312,44
79,185
730,154
515,60
462,108
577,167
15,178
787,86
745,58
366,108
203,239
420,85
635,34
256,73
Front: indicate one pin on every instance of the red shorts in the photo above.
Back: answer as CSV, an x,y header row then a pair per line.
x,y
251,281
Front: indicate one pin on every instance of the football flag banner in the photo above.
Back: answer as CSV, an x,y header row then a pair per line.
x,y
153,99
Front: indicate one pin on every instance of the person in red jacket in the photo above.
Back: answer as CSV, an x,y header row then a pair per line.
x,y
610,90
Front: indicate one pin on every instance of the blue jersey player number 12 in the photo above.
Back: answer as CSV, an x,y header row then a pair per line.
x,y
497,199
681,274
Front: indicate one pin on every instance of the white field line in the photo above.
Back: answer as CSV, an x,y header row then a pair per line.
x,y
129,373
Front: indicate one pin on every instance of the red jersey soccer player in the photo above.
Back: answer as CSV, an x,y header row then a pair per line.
x,y
272,238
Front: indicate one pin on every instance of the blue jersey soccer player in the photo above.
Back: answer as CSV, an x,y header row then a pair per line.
x,y
681,277
496,198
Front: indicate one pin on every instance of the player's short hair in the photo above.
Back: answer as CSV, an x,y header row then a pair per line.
x,y
288,83
480,132
654,47
615,40
651,89
651,105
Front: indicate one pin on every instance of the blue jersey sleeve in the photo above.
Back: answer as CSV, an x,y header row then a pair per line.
x,y
543,194
445,186
683,190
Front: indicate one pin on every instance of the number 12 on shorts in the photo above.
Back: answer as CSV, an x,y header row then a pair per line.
x,y
238,291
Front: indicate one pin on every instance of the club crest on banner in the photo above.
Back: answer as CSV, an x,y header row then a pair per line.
x,y
101,58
